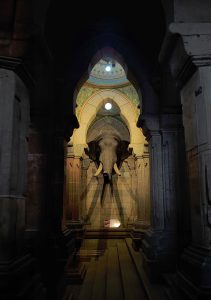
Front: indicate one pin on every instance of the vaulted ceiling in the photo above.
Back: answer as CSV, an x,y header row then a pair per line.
x,y
135,30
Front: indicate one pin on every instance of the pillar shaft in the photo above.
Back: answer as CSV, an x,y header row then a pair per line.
x,y
192,74
143,190
156,171
197,122
14,119
73,188
195,263
36,185
160,241
17,269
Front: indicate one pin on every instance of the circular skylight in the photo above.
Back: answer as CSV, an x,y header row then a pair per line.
x,y
108,106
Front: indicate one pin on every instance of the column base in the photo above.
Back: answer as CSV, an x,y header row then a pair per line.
x,y
77,229
74,224
159,253
75,270
69,240
20,280
194,276
53,252
137,233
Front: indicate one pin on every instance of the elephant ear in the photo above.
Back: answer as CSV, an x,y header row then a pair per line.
x,y
122,151
94,151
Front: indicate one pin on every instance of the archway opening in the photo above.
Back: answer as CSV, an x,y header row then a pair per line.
x,y
107,156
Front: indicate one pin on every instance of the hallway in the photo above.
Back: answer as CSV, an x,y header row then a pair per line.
x,y
114,271
105,139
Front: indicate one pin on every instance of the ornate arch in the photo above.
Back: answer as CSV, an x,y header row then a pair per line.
x,y
128,111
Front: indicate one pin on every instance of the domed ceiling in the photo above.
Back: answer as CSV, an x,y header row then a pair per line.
x,y
107,72
113,78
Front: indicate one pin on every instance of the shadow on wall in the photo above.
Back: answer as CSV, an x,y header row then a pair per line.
x,y
120,205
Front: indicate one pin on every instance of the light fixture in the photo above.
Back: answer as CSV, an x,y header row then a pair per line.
x,y
108,106
112,223
108,68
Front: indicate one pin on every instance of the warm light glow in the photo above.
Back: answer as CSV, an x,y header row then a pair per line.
x,y
108,106
116,224
112,223
108,68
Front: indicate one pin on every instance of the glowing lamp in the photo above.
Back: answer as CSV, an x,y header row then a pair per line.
x,y
108,106
115,224
112,223
108,68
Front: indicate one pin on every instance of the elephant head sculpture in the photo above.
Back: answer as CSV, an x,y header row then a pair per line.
x,y
108,140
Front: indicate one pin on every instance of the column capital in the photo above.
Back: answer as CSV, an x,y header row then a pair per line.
x,y
186,47
18,66
150,125
170,121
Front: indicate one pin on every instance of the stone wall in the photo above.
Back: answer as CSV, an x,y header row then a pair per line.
x,y
100,203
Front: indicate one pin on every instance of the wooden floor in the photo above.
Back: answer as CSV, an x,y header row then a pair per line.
x,y
114,272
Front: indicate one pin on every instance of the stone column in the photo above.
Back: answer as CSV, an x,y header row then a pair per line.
x,y
55,206
17,270
36,185
195,263
64,188
12,173
73,219
143,191
157,208
170,126
146,189
159,244
190,65
73,189
143,199
154,241
84,188
131,205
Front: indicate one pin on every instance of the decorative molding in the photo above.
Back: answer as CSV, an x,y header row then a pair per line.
x,y
189,68
149,124
88,90
113,86
12,197
17,65
185,48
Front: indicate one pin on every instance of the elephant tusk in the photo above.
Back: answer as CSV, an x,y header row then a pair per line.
x,y
117,170
99,169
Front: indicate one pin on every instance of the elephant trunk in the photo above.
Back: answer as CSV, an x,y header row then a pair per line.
x,y
108,159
